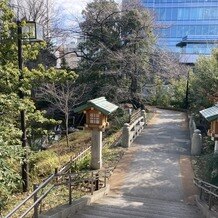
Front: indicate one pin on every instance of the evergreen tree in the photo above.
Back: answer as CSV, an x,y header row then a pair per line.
x,y
12,83
116,49
204,82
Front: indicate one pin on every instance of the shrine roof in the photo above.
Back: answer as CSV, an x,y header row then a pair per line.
x,y
100,104
210,113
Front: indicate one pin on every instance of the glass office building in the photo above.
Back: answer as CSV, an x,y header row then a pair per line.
x,y
187,26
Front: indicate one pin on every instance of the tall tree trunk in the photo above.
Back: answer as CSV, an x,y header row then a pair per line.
x,y
67,128
133,86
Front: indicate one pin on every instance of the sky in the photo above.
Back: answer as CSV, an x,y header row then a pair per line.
x,y
69,13
73,7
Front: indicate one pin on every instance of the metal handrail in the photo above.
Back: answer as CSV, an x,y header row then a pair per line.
x,y
31,195
47,181
63,169
208,188
91,179
37,202
69,163
206,184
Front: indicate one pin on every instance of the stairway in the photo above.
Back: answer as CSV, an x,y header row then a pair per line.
x,y
136,207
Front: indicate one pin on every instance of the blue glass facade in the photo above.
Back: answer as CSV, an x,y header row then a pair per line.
x,y
181,18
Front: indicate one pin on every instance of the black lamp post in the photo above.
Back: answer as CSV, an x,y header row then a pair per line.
x,y
31,33
187,93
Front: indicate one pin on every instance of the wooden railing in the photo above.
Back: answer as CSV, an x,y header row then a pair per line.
x,y
208,192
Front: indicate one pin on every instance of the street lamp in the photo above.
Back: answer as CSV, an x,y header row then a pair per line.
x,y
187,92
30,32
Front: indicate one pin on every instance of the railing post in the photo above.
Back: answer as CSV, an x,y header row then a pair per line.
x,y
210,198
70,190
35,186
105,178
56,172
97,181
126,135
92,181
201,193
143,113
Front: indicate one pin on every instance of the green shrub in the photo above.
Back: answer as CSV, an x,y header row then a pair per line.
x,y
208,145
162,97
171,94
83,164
43,163
4,196
178,89
206,168
117,120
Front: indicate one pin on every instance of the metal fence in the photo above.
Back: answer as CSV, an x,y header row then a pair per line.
x,y
208,192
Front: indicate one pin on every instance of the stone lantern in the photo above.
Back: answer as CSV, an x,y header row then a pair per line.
x,y
211,115
95,119
213,131
96,111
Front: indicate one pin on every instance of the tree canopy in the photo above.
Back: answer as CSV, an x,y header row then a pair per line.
x,y
204,82
116,49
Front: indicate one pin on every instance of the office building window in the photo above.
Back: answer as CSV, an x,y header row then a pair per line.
x,y
180,18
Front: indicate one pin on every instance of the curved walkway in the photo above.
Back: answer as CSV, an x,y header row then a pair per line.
x,y
154,178
159,166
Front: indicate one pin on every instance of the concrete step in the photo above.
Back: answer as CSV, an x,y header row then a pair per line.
x,y
86,216
134,212
135,207
128,201
91,214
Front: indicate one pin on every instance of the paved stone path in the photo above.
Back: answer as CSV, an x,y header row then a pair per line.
x,y
154,179
155,168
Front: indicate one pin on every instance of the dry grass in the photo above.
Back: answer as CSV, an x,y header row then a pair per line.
x,y
77,141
